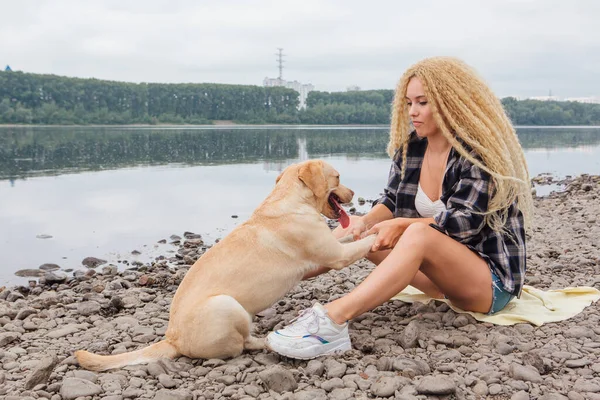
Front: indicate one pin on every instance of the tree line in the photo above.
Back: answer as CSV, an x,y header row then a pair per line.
x,y
51,100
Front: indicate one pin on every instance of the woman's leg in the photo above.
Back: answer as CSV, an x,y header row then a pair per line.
x,y
458,272
420,281
432,261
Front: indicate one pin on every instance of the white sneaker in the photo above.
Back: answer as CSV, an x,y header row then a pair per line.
x,y
311,334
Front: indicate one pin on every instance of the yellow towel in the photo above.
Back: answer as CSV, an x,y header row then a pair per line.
x,y
535,306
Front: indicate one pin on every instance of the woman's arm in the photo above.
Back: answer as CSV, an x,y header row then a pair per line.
x,y
389,232
376,215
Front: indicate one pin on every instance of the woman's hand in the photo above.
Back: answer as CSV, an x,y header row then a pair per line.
x,y
356,228
388,233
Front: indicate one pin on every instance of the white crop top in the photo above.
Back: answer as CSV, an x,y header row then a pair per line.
x,y
425,207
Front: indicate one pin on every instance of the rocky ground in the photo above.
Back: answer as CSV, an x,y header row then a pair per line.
x,y
403,351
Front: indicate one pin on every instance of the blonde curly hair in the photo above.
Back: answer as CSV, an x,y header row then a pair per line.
x,y
464,106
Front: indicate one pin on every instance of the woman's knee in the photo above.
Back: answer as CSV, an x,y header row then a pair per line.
x,y
418,232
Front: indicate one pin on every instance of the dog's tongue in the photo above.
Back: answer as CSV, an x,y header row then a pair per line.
x,y
344,218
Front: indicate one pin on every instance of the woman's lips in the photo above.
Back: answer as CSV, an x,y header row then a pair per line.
x,y
417,123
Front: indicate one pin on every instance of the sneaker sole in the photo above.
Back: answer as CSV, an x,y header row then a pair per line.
x,y
340,348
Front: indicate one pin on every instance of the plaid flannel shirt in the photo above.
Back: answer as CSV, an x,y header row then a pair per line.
x,y
465,189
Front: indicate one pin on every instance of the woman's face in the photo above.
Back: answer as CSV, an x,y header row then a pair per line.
x,y
419,109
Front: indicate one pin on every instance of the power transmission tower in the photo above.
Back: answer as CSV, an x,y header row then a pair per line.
x,y
280,55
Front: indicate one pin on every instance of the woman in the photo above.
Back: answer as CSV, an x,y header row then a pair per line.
x,y
452,220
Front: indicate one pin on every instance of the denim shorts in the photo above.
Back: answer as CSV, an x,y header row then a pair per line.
x,y
500,297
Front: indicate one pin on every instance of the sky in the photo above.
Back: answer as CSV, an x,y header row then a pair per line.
x,y
521,48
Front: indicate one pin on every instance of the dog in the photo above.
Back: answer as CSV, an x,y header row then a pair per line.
x,y
251,268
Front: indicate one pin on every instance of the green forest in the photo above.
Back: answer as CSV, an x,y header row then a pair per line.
x,y
55,100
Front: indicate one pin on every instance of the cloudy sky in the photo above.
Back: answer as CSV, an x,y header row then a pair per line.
x,y
521,47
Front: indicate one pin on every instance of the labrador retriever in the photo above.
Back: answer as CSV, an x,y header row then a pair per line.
x,y
251,268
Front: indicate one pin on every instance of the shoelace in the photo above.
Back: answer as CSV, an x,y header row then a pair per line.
x,y
306,319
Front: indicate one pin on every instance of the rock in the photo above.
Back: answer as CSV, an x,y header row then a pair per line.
x,y
216,362
133,393
481,389
87,308
334,368
385,364
314,368
164,394
278,379
463,320
525,373
93,262
6,311
155,369
505,348
166,381
520,395
82,374
410,336
331,384
73,388
252,390
146,280
364,343
535,360
110,270
580,332
582,362
64,331
41,373
311,394
14,296
553,396
342,394
495,389
29,273
24,313
51,278
410,368
436,385
386,386
265,359
8,337
49,267
586,386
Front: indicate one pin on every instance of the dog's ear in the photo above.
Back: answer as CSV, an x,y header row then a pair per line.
x,y
278,178
311,174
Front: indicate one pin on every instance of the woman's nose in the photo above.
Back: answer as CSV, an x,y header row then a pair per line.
x,y
412,111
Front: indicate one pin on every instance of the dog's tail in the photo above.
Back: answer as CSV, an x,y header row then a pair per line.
x,y
95,362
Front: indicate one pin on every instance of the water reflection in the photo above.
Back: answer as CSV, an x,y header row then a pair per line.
x,y
34,151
